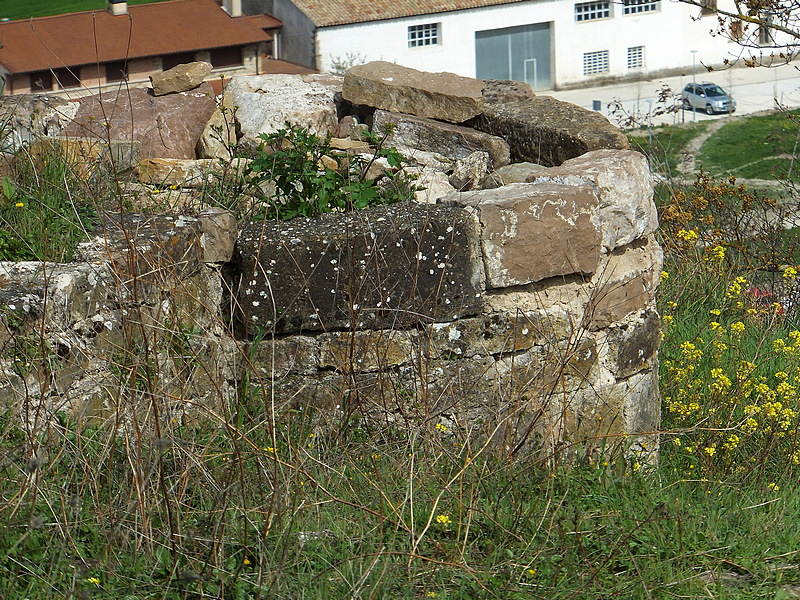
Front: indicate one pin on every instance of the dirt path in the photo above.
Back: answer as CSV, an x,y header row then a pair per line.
x,y
688,165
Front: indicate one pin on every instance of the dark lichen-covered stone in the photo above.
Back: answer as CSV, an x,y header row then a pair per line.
x,y
385,267
547,131
164,246
635,344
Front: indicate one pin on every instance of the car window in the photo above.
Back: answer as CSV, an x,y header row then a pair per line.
x,y
715,90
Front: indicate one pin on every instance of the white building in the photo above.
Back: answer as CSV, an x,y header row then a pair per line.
x,y
548,43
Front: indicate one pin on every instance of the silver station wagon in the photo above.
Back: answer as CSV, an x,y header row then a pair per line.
x,y
708,97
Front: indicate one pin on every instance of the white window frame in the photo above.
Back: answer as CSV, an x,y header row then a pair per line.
x,y
596,63
424,34
635,57
635,7
592,11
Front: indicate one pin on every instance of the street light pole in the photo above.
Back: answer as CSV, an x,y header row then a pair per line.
x,y
694,81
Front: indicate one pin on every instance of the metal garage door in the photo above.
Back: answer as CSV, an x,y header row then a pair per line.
x,y
520,53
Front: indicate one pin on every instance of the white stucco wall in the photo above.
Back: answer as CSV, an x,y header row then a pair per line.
x,y
668,36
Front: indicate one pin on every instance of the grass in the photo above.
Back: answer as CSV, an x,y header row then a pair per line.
x,y
757,147
257,503
666,145
26,9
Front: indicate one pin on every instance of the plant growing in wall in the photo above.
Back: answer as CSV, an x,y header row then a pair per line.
x,y
312,178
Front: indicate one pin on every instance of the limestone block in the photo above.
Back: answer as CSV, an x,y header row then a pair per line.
x,y
633,343
470,171
366,351
407,132
443,96
165,126
504,91
31,117
625,188
547,131
530,233
180,78
433,184
383,267
513,173
495,334
625,282
264,103
219,136
277,358
174,171
219,234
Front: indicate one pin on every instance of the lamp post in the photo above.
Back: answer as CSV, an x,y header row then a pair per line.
x,y
694,81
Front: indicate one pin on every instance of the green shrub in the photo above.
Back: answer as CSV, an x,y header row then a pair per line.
x,y
311,178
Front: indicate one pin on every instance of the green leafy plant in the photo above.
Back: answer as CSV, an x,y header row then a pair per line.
x,y
311,178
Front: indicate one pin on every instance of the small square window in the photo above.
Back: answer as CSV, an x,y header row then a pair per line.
x,y
636,57
591,11
423,35
634,7
595,62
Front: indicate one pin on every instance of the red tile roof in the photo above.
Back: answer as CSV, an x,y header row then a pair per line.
x,y
324,13
97,36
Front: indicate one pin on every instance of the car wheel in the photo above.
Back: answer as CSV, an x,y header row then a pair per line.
x,y
686,104
709,109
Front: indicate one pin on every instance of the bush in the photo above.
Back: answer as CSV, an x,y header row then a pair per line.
x,y
311,178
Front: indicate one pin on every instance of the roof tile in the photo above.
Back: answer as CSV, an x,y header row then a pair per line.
x,y
324,13
97,36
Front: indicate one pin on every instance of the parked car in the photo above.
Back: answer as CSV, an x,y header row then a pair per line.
x,y
708,97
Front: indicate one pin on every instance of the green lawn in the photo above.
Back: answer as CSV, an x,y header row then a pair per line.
x,y
25,9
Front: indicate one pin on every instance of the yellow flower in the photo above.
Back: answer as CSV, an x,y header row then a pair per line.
x,y
667,320
94,580
664,275
737,328
790,273
773,487
717,253
441,427
710,450
443,520
716,312
246,562
531,572
20,204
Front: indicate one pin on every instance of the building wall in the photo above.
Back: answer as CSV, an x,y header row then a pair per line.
x,y
666,35
295,41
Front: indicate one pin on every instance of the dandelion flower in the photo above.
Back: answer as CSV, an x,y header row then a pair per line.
x,y
443,520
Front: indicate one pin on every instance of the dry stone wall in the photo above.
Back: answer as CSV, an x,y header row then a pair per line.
x,y
524,312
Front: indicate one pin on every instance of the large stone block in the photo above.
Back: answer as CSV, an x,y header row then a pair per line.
x,y
530,233
622,177
181,78
547,131
265,103
28,118
443,96
416,133
166,126
384,267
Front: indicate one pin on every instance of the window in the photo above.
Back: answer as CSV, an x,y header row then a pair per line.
x,y
595,62
708,7
67,78
116,71
591,11
41,81
226,57
173,60
634,7
423,35
636,57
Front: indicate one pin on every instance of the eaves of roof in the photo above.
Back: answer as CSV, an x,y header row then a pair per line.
x,y
97,36
327,13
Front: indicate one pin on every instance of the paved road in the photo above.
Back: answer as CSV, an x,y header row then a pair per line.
x,y
753,89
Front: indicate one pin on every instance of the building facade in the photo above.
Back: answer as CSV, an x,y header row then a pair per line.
x,y
547,43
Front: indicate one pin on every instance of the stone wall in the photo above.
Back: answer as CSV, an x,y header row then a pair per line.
x,y
524,312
